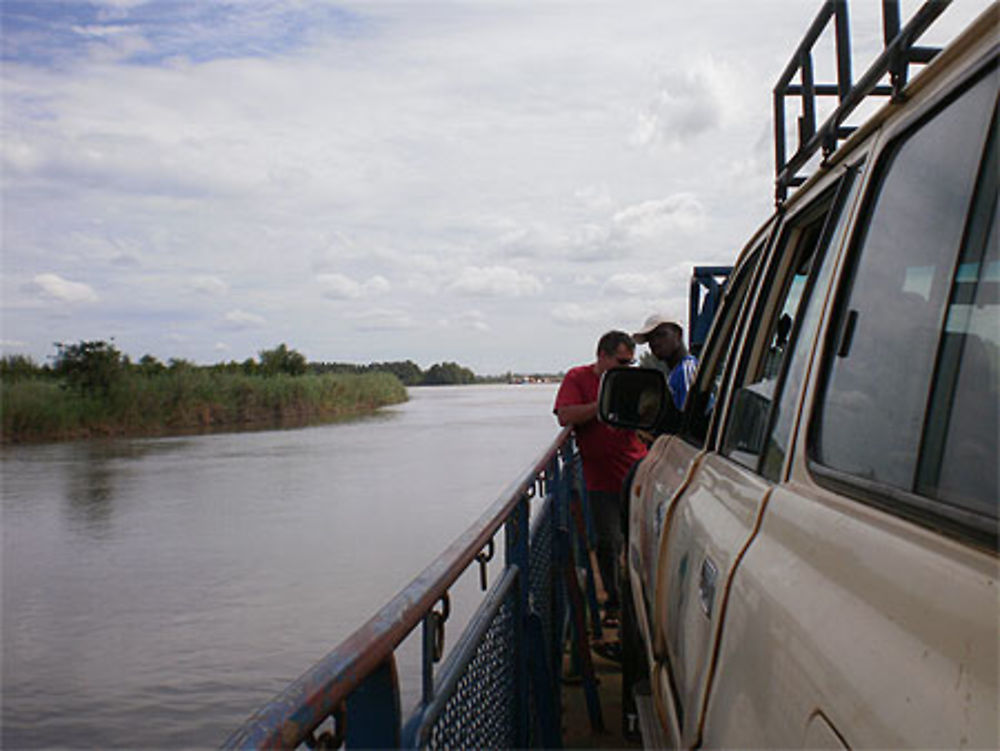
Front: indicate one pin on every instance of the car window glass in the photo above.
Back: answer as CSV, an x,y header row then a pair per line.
x,y
959,451
888,334
705,391
752,400
781,420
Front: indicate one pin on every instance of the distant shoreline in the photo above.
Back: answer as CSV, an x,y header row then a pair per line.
x,y
193,402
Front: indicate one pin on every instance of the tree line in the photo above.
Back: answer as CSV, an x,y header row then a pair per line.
x,y
94,366
92,389
407,371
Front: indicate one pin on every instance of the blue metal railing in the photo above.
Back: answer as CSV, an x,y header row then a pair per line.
x,y
499,686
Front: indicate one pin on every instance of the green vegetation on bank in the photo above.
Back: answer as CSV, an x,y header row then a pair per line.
x,y
441,374
93,389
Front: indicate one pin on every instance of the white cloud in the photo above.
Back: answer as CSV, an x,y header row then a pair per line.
x,y
423,284
472,319
682,212
593,241
594,197
635,284
496,281
377,285
55,287
221,347
126,260
209,285
105,30
381,319
341,287
689,101
573,314
241,319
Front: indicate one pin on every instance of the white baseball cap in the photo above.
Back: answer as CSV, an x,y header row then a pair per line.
x,y
655,320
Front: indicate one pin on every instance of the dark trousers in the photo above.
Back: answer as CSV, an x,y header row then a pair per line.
x,y
605,511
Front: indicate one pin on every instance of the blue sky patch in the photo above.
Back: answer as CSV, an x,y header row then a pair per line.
x,y
58,33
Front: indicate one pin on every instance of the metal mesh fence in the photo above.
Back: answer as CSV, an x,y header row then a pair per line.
x,y
541,592
480,712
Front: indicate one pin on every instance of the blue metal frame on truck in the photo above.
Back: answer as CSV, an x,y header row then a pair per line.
x,y
499,686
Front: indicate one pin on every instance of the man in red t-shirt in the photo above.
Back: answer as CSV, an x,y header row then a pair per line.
x,y
608,454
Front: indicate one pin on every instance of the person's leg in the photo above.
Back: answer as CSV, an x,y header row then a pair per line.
x,y
605,509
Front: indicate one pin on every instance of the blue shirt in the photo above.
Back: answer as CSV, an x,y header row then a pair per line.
x,y
679,380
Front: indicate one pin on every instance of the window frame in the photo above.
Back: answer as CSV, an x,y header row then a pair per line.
x,y
926,511
824,209
728,344
981,215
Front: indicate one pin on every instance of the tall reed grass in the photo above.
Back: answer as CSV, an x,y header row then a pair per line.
x,y
190,399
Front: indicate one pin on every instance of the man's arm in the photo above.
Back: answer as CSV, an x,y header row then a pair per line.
x,y
576,414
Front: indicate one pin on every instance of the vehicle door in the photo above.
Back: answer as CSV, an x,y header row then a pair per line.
x,y
709,523
865,612
671,457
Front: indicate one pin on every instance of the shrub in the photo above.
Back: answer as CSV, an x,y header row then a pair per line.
x,y
282,360
91,368
15,368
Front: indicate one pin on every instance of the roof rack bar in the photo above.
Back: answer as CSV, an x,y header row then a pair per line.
x,y
894,60
843,37
890,21
829,89
801,63
807,123
805,46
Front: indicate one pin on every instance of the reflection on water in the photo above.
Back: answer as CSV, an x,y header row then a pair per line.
x,y
156,591
90,494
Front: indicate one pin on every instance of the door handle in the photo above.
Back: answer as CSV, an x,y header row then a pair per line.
x,y
706,586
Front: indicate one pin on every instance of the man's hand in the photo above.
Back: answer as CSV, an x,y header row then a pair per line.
x,y
576,414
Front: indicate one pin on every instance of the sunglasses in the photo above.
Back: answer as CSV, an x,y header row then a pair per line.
x,y
625,361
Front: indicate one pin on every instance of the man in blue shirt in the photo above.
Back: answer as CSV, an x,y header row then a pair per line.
x,y
665,338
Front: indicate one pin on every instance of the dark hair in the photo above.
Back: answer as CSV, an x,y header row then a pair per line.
x,y
610,342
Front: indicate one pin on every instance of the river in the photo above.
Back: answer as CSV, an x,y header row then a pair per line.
x,y
156,591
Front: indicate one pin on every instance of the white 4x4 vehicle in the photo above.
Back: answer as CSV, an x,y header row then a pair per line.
x,y
812,548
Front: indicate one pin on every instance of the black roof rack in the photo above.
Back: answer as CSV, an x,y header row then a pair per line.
x,y
894,60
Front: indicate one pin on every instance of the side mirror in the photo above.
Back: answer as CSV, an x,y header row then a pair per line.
x,y
634,398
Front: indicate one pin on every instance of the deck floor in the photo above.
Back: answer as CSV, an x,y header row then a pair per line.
x,y
576,726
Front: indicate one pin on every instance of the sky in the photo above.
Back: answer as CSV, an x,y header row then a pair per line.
x,y
491,182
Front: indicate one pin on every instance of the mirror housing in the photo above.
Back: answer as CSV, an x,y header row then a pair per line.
x,y
634,398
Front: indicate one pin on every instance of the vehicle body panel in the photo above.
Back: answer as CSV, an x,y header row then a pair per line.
x,y
708,527
887,629
658,479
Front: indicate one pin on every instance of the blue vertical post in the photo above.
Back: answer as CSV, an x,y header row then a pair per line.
x,y
558,608
576,606
563,547
586,541
373,713
516,550
557,488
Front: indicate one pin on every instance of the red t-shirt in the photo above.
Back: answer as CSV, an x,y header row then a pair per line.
x,y
608,453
